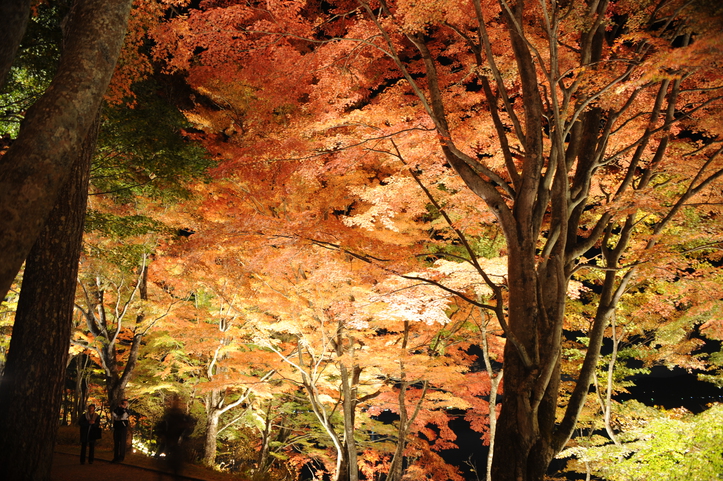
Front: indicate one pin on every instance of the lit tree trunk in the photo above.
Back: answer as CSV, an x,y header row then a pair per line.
x,y
397,464
396,468
495,380
536,197
349,411
606,402
322,415
81,384
106,331
117,381
32,387
38,164
263,461
349,380
213,400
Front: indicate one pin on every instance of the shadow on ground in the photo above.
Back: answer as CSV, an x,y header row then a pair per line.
x,y
135,467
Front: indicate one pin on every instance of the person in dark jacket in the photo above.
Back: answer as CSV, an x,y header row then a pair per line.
x,y
89,432
120,431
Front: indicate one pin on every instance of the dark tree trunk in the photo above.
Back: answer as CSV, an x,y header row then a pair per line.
x,y
14,15
31,390
37,166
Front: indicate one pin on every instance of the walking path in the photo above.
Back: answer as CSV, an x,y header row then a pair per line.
x,y
136,467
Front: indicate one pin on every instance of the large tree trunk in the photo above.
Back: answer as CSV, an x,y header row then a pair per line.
x,y
14,15
540,198
31,389
39,162
524,437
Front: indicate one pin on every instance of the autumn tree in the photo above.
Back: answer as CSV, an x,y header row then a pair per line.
x,y
548,184
117,314
353,363
42,325
302,298
207,346
567,120
230,375
674,444
656,325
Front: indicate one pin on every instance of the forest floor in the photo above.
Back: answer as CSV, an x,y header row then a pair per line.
x,y
136,467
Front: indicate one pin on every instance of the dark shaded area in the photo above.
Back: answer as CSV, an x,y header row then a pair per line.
x,y
672,389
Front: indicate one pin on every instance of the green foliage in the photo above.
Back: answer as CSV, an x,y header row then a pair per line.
x,y
625,371
8,306
115,226
34,66
143,151
714,377
488,245
123,256
142,154
661,445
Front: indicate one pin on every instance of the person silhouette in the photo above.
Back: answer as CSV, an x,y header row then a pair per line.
x,y
120,431
89,432
173,428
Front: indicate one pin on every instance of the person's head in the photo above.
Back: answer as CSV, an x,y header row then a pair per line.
x,y
124,403
91,408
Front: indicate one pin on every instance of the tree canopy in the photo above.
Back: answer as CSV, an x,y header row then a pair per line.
x,y
408,202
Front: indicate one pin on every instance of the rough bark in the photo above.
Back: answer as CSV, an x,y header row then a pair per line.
x,y
38,164
14,15
31,389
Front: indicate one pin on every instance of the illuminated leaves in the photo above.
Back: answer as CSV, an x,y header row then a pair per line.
x,y
668,445
327,117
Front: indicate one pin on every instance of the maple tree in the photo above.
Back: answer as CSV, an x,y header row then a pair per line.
x,y
521,157
565,120
305,298
363,362
284,288
671,445
655,326
106,305
212,351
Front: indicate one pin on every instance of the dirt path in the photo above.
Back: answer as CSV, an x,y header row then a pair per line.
x,y
67,467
